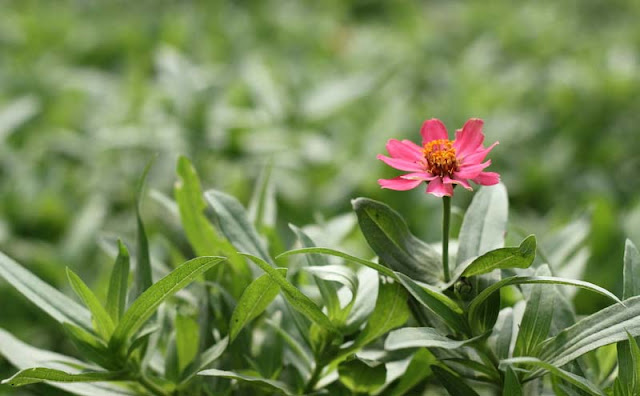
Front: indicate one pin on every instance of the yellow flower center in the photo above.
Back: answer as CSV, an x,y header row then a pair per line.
x,y
441,157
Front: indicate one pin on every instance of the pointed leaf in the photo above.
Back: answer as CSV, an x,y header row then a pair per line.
x,y
298,301
91,347
536,321
262,207
235,225
575,380
631,270
254,300
104,324
629,366
437,302
452,383
519,280
118,284
275,387
359,377
604,327
418,370
423,337
512,257
40,374
389,237
512,385
145,305
331,252
143,278
57,305
207,357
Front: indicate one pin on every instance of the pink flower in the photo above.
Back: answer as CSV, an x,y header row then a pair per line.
x,y
440,162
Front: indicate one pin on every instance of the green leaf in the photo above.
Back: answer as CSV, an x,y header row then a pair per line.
x,y
389,237
298,301
423,337
305,362
359,377
629,366
235,225
503,333
24,356
41,374
575,380
143,278
57,305
262,207
452,383
118,284
511,386
631,271
484,223
103,322
435,301
331,252
327,290
365,300
254,300
418,370
519,280
604,327
391,311
91,347
536,321
274,387
145,305
187,340
511,257
203,361
336,273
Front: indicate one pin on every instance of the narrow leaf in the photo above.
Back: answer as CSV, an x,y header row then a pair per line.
x,y
207,357
118,284
331,252
89,346
235,225
452,383
359,377
144,307
275,387
538,314
519,280
254,300
40,374
512,257
418,370
437,302
512,385
143,279
262,207
422,337
604,327
104,324
389,237
24,356
57,305
298,301
575,380
391,311
631,271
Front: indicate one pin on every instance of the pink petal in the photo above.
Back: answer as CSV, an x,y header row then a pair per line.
x,y
455,180
487,178
437,188
401,150
479,155
425,176
412,144
399,184
470,171
433,129
469,138
401,164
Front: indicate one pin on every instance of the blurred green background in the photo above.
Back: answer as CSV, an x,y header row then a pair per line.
x,y
90,90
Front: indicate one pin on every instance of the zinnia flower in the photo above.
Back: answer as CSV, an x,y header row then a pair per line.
x,y
440,162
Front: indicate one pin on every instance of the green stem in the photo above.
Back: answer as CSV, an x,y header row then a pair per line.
x,y
151,386
446,219
315,376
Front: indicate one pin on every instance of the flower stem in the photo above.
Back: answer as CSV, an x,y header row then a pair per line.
x,y
446,218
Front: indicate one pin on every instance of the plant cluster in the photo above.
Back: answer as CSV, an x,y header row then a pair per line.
x,y
248,313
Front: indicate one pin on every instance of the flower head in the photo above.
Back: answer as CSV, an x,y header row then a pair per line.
x,y
440,162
